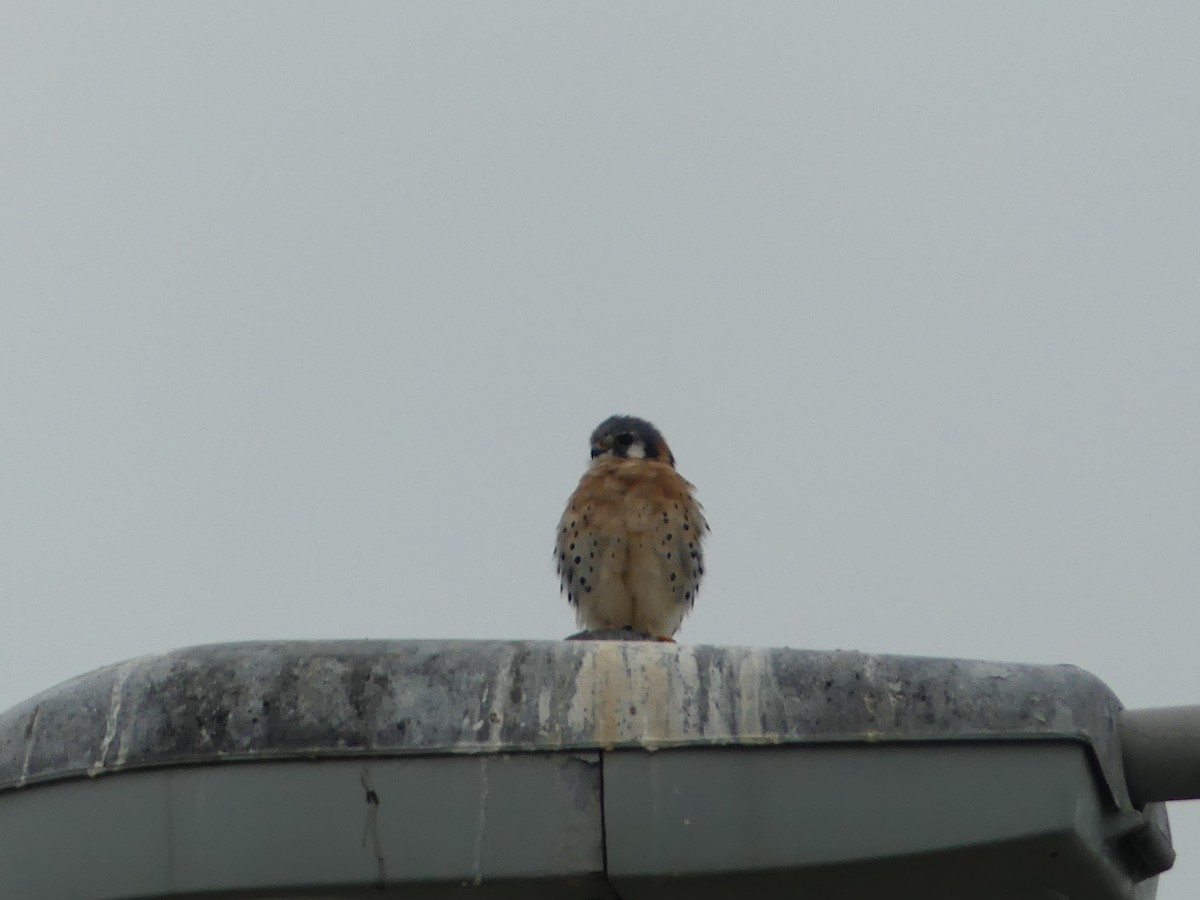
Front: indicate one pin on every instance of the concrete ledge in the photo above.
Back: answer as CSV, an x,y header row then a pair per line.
x,y
926,822
569,769
328,699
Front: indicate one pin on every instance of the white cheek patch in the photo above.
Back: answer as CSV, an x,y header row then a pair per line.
x,y
636,451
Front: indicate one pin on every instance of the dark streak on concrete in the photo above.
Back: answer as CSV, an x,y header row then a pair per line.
x,y
371,829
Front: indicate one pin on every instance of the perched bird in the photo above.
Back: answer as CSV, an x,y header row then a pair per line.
x,y
629,543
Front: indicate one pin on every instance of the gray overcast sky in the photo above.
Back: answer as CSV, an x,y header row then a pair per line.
x,y
308,311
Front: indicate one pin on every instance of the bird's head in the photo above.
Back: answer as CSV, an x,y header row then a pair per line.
x,y
628,437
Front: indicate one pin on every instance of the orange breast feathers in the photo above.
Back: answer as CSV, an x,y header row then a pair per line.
x,y
629,547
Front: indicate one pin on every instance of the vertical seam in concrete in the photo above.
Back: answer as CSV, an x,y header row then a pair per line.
x,y
168,794
481,821
604,825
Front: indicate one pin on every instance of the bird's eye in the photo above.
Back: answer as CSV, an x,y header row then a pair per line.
x,y
624,439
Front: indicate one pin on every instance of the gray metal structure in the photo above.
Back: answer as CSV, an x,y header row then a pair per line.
x,y
577,769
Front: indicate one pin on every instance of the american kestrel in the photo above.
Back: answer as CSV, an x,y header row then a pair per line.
x,y
628,545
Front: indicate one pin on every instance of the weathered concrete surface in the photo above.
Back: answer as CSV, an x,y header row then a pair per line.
x,y
328,699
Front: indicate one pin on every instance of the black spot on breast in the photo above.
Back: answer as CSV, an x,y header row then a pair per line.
x,y
582,580
578,560
672,576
